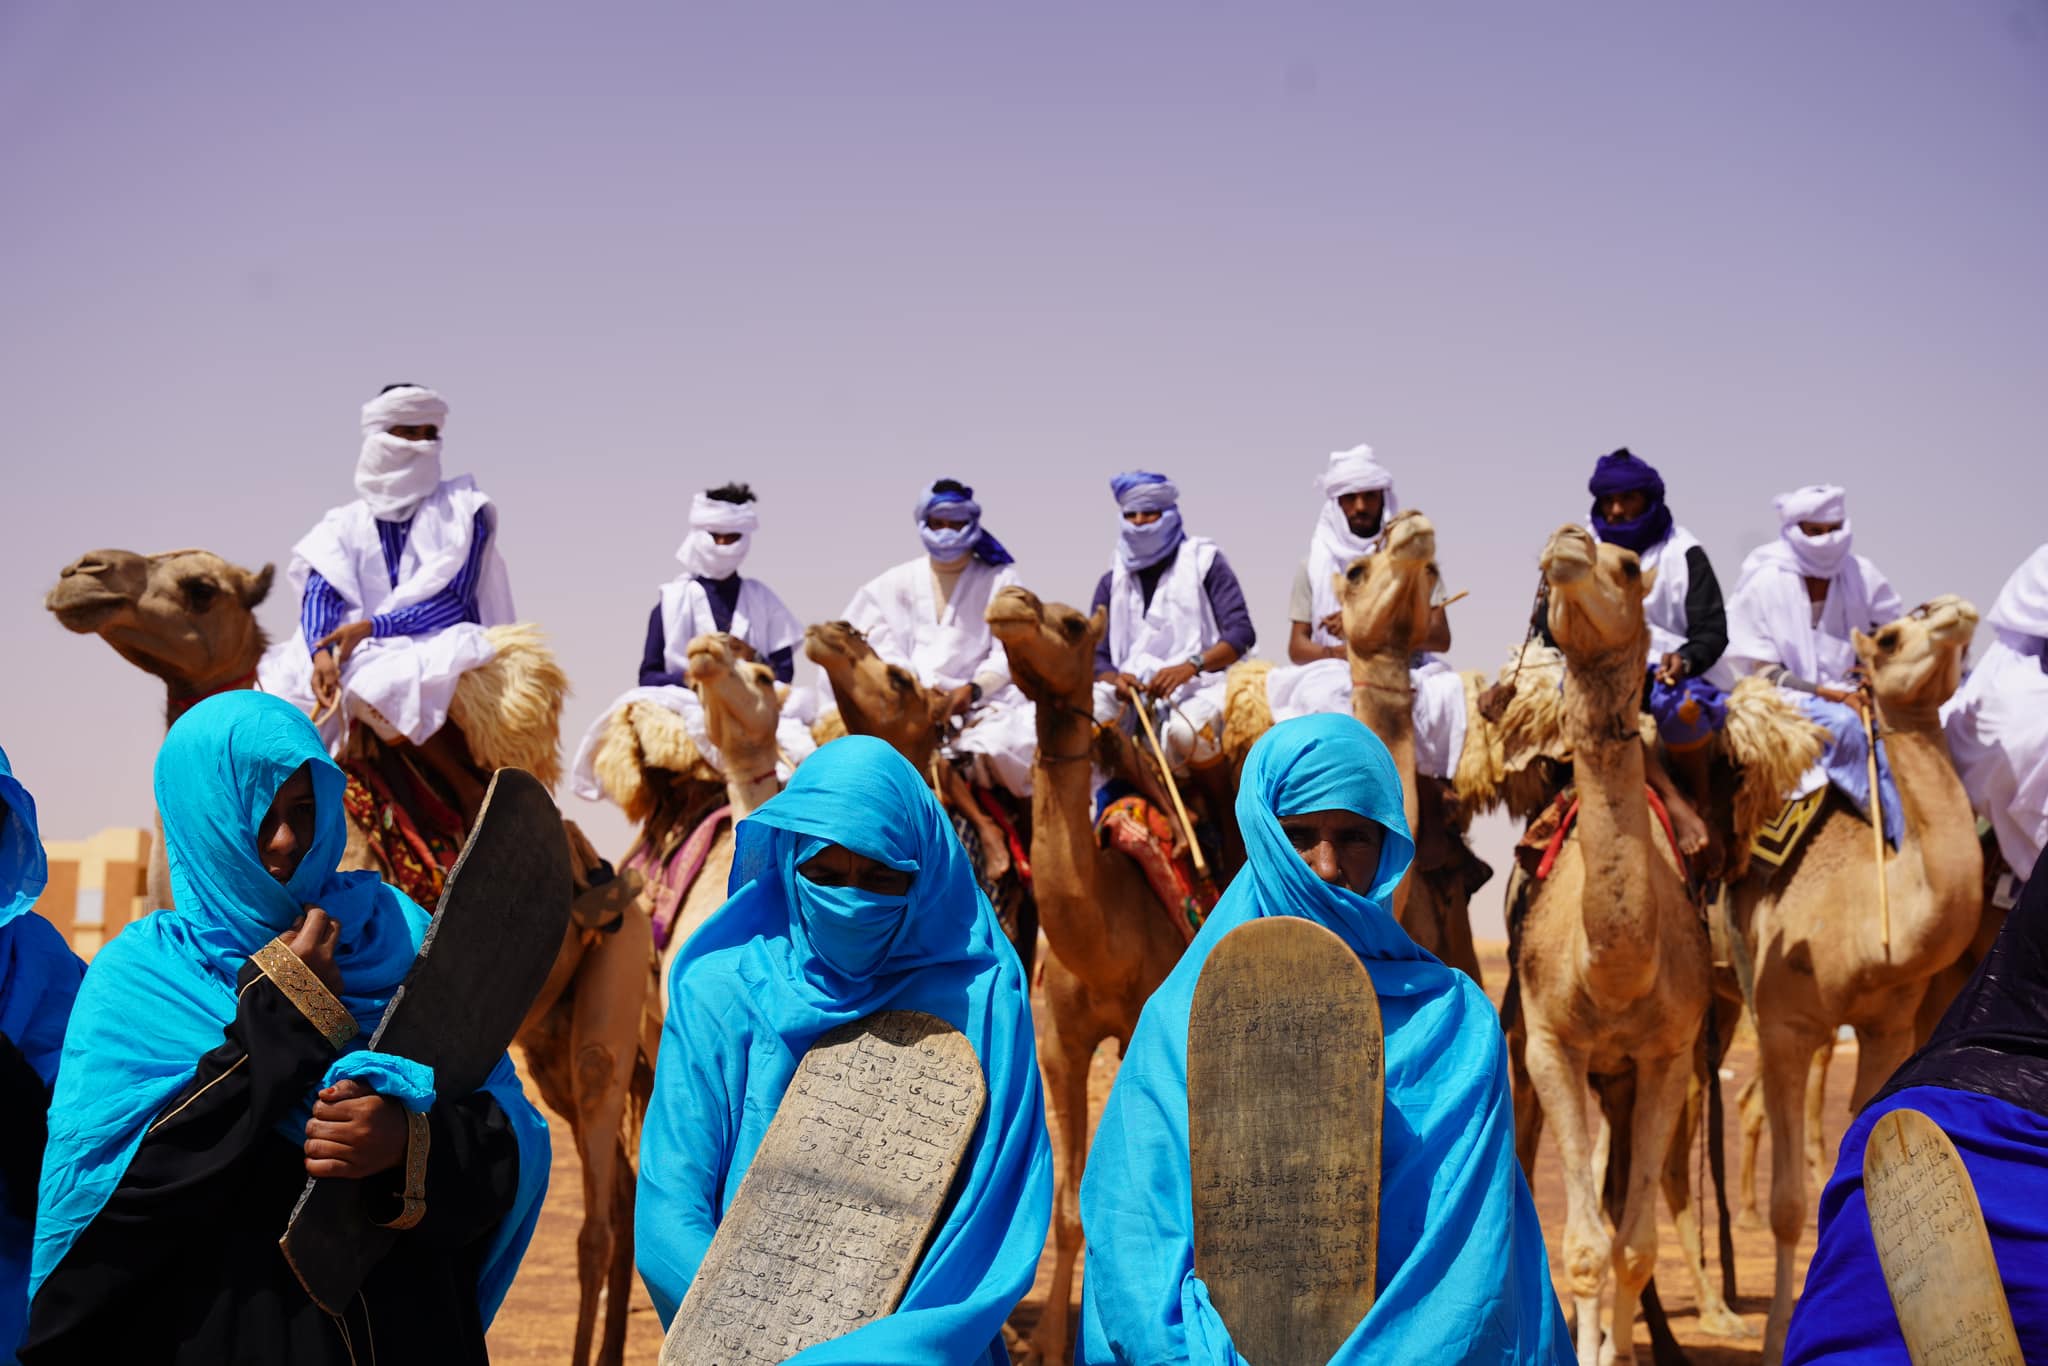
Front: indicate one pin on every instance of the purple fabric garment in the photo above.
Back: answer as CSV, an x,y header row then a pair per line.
x,y
1622,472
1226,602
1666,702
725,599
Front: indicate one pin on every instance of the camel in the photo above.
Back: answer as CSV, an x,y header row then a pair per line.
x,y
647,757
875,697
188,618
1112,943
1385,599
1814,933
1614,964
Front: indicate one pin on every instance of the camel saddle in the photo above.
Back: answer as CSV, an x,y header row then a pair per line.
x,y
485,957
1286,1090
832,1217
1134,826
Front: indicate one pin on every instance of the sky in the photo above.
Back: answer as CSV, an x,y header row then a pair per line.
x,y
840,250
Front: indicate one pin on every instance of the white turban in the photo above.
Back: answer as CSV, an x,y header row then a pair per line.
x,y
394,475
1334,546
1818,557
2022,605
705,558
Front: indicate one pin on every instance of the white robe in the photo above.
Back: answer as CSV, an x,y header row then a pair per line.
x,y
898,612
1664,608
1997,722
1178,625
398,685
764,623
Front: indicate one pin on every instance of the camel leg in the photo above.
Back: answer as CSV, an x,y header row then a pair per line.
x,y
604,1038
1786,1057
1878,1055
1751,1104
1557,1074
1817,1164
1065,1063
1714,1315
1522,1094
618,1291
1660,1101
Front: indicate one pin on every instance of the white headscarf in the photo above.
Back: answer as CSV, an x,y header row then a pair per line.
x,y
1818,557
705,558
392,475
2022,606
1334,546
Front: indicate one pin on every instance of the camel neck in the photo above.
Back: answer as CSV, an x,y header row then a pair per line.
x,y
1064,852
746,794
1383,698
1619,910
180,696
1940,828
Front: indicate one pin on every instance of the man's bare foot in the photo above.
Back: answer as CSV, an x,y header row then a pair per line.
x,y
1693,835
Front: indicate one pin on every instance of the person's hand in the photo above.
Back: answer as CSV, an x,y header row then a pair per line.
x,y
1170,679
1126,686
1671,669
354,1133
1849,696
313,938
1334,624
326,679
343,639
957,702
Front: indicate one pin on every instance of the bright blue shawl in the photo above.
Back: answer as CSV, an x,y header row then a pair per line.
x,y
216,776
749,993
38,979
1463,1276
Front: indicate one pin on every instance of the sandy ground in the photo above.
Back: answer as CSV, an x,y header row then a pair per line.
x,y
537,1324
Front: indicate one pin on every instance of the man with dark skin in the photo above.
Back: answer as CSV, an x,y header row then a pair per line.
x,y
1365,513
1340,847
353,1132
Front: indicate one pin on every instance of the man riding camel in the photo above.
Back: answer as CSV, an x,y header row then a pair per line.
x,y
1797,602
397,590
1997,722
1177,622
929,615
711,596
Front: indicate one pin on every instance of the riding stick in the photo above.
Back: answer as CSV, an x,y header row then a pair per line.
x,y
1173,790
1866,706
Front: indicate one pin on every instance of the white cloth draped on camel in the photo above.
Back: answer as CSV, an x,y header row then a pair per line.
x,y
1997,722
899,613
1439,712
763,622
398,685
1178,625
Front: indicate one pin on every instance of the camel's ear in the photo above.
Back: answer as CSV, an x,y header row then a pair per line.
x,y
1098,622
1864,646
1649,581
256,586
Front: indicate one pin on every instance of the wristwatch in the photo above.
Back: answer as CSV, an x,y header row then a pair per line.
x,y
1195,661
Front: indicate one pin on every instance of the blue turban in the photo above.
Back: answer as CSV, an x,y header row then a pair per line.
x,y
1140,547
950,542
216,776
1621,472
38,979
784,961
1463,1275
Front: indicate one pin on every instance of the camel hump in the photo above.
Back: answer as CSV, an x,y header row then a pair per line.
x,y
1933,1245
1286,1086
835,1208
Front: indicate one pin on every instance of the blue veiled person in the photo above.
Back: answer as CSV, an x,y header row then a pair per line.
x,y
216,1057
1983,1077
850,894
38,979
1463,1276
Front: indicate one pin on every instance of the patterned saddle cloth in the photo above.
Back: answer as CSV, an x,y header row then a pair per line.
x,y
1133,826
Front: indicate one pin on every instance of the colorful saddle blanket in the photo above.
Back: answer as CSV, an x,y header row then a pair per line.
x,y
1134,826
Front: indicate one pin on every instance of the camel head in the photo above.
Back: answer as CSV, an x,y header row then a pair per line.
x,y
1596,599
875,697
1385,595
186,616
1916,663
740,705
1051,645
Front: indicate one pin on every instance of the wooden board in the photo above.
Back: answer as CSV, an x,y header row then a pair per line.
x,y
835,1209
1286,1083
1934,1248
486,954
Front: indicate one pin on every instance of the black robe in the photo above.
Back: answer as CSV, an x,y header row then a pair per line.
x,y
182,1264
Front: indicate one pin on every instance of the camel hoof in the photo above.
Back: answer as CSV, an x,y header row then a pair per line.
x,y
1748,1219
1724,1322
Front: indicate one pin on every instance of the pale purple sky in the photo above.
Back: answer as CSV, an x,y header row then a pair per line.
x,y
841,249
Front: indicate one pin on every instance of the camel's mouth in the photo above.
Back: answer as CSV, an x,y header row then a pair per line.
x,y
85,610
1014,609
1411,536
1569,556
1951,621
828,641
